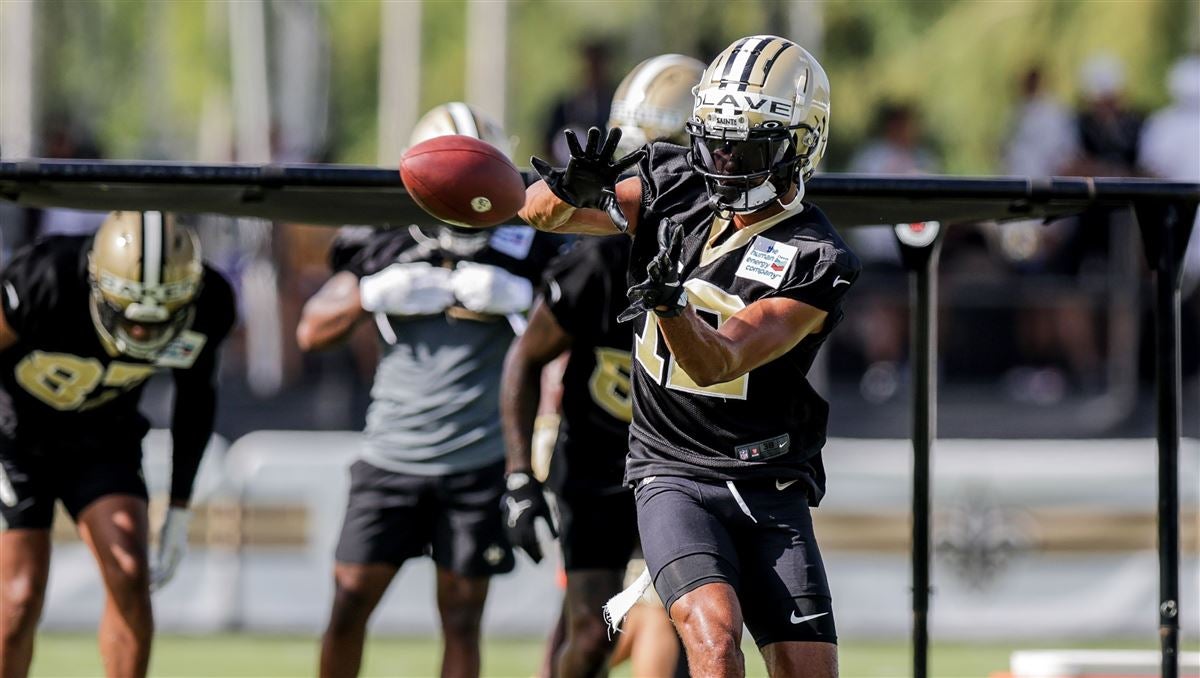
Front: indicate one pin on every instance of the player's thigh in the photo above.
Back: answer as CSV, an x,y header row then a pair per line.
x,y
389,518
785,592
468,538
115,527
597,531
684,543
795,659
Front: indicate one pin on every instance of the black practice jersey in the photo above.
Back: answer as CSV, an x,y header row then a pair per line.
x,y
769,423
65,388
585,290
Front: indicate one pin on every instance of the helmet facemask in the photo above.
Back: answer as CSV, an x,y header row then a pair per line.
x,y
138,331
744,172
462,242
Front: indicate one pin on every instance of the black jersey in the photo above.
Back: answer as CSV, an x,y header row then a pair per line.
x,y
65,388
769,423
585,290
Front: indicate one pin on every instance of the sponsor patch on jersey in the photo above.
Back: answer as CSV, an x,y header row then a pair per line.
x,y
183,351
766,261
514,241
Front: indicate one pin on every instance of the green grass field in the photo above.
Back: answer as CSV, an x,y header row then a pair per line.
x,y
74,655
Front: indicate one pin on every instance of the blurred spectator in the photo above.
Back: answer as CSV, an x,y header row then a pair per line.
x,y
1043,135
1170,149
587,107
1044,142
1067,331
1108,131
1170,145
897,147
880,324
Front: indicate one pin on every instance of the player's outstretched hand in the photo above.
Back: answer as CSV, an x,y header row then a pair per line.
x,y
591,175
523,504
172,545
661,291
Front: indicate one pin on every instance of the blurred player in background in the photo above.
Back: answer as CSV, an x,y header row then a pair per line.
x,y
86,321
446,301
739,282
577,313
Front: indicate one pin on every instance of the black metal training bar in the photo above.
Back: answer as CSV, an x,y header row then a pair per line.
x,y
335,195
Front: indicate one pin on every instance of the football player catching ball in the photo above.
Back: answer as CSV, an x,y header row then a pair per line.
x,y
737,283
86,321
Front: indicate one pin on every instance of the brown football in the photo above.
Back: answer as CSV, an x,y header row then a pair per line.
x,y
463,181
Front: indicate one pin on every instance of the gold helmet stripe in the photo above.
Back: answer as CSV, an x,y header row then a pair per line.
x,y
152,248
464,120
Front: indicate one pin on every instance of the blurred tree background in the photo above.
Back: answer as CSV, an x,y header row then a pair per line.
x,y
152,79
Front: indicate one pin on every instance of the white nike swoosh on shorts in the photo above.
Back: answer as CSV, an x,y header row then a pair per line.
x,y
781,485
796,620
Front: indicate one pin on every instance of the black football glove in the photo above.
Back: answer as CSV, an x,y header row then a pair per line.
x,y
590,177
661,286
522,505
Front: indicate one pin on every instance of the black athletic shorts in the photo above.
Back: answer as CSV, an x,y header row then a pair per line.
x,y
597,531
31,480
455,519
757,536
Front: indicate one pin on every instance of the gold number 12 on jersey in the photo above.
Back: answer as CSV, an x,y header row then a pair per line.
x,y
707,299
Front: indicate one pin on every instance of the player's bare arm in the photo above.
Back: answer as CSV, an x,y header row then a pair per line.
x,y
331,314
520,386
758,334
547,212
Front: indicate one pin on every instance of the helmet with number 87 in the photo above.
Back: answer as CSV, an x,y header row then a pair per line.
x,y
145,274
760,122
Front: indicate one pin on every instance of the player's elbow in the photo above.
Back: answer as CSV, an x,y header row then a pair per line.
x,y
712,378
712,372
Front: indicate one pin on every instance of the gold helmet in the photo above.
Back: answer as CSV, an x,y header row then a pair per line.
x,y
654,101
467,120
459,118
145,273
760,122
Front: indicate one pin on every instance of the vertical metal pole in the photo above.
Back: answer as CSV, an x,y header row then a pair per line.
x,y
487,57
18,54
1165,229
919,248
399,77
